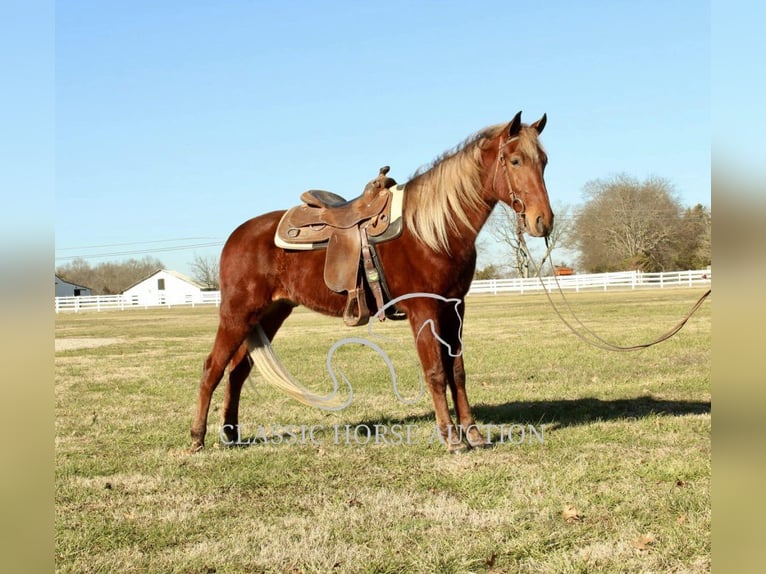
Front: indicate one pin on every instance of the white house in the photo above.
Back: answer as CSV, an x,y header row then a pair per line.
x,y
164,287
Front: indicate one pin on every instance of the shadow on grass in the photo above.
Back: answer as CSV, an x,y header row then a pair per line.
x,y
573,412
566,412
554,414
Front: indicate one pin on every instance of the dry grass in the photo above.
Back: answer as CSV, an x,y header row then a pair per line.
x,y
621,482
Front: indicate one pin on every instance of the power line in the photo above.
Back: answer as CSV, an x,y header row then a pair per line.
x,y
133,243
140,251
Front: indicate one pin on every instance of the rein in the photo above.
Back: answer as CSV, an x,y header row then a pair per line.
x,y
518,206
595,339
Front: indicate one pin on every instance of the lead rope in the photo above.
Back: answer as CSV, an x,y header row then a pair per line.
x,y
597,341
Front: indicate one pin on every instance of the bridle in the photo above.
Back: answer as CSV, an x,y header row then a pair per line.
x,y
516,203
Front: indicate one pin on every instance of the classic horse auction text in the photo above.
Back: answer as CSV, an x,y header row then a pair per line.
x,y
375,434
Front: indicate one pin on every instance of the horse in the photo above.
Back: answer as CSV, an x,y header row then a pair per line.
x,y
445,206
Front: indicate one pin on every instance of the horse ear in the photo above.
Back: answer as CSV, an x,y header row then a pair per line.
x,y
539,125
515,126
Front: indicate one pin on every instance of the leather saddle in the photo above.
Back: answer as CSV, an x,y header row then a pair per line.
x,y
348,231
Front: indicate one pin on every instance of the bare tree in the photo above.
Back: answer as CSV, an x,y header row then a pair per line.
x,y
694,250
205,271
704,251
628,224
504,227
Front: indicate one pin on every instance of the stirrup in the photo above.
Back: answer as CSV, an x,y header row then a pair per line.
x,y
356,312
395,314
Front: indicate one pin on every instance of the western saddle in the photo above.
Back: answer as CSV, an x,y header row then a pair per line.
x,y
348,231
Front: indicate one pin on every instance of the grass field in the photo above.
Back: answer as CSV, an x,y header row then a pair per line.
x,y
611,473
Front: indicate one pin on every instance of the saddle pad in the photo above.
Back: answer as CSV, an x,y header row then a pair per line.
x,y
393,231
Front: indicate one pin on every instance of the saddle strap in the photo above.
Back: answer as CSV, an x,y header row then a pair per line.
x,y
392,312
371,272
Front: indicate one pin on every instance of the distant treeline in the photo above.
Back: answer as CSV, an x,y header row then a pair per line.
x,y
109,278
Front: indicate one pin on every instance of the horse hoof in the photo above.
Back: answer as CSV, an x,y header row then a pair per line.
x,y
459,448
483,445
196,447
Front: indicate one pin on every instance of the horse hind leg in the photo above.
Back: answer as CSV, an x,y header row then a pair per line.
x,y
239,369
241,365
227,339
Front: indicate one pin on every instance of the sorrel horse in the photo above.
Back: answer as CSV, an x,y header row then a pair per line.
x,y
445,207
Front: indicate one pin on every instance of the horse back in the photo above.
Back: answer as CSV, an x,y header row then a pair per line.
x,y
254,272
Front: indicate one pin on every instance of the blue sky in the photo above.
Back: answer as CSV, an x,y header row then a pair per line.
x,y
177,120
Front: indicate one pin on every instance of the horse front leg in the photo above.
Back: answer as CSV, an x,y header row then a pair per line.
x,y
452,323
463,409
435,369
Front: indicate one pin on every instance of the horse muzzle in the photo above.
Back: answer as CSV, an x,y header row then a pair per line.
x,y
538,225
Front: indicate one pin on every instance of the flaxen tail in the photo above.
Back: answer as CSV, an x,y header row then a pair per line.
x,y
275,373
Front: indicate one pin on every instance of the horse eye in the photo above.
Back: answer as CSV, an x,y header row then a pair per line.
x,y
515,161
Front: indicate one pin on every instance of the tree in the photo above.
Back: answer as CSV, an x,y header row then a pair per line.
x,y
694,250
504,226
628,224
205,271
490,271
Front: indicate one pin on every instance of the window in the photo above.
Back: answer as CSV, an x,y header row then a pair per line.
x,y
160,284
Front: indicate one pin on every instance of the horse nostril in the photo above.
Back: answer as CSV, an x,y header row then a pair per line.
x,y
540,224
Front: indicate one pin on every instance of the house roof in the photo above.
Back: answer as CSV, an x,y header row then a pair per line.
x,y
58,277
175,274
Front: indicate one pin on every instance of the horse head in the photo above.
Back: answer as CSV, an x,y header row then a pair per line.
x,y
518,178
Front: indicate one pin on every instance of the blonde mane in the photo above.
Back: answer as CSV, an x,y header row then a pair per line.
x,y
438,197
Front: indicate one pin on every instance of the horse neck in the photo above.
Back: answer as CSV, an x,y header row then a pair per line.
x,y
463,239
464,209
478,216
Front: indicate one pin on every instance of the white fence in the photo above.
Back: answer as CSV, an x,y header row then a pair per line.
x,y
602,281
124,302
590,281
